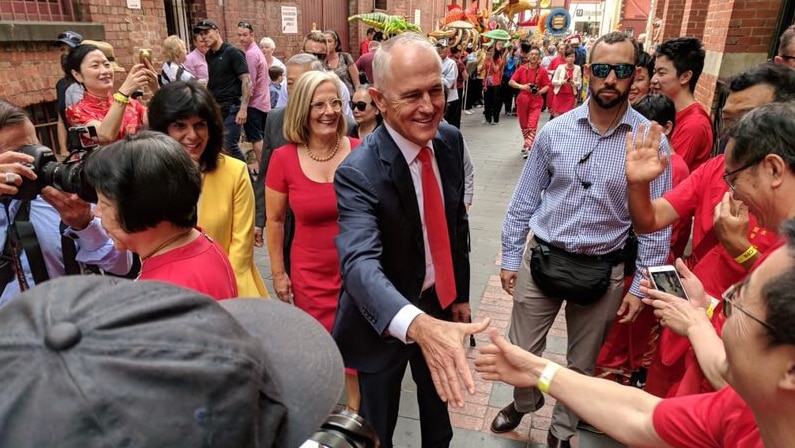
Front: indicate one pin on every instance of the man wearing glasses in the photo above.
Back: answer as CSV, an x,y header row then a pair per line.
x,y
315,44
723,230
228,82
572,196
786,48
756,409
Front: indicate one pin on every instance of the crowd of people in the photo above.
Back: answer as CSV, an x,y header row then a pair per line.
x,y
361,193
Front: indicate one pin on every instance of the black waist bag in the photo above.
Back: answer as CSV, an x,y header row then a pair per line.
x,y
579,279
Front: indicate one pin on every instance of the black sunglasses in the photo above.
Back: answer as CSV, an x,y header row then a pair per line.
x,y
361,105
623,71
245,25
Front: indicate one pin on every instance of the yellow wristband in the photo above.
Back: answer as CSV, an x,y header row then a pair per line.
x,y
120,98
545,379
747,255
713,303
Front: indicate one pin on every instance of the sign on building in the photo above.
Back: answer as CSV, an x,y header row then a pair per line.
x,y
289,20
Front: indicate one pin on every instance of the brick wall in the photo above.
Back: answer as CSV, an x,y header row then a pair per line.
x,y
673,11
694,18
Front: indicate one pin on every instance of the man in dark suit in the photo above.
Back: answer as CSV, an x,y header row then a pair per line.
x,y
397,285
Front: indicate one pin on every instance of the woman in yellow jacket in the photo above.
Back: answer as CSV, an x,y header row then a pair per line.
x,y
188,113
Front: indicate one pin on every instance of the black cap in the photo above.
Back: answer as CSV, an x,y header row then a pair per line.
x,y
204,24
69,38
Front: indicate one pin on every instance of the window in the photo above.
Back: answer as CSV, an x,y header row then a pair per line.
x,y
45,119
37,10
379,4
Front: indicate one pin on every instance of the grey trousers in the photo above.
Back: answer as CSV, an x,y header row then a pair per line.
x,y
532,316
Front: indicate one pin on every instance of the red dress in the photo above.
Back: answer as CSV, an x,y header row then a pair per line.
x,y
92,107
314,266
564,100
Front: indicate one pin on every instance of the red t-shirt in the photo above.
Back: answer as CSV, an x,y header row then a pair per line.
x,y
364,47
553,64
697,196
680,232
692,136
718,419
200,265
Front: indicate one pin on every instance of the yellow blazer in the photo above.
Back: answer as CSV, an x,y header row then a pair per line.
x,y
226,213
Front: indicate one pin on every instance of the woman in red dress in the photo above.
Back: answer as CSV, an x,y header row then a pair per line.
x,y
532,80
301,174
113,114
565,83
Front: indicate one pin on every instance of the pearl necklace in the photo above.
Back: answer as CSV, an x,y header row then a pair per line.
x,y
322,159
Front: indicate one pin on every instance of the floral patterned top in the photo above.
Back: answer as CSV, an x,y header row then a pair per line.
x,y
92,107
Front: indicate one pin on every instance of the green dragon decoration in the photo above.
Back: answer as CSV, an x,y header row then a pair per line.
x,y
386,23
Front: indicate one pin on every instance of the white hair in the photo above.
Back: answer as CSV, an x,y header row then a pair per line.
x,y
383,56
267,40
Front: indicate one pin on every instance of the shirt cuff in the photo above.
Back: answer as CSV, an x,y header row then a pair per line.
x,y
91,238
399,326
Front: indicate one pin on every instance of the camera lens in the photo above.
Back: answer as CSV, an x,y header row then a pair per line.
x,y
345,429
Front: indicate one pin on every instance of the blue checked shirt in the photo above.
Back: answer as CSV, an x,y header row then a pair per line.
x,y
550,199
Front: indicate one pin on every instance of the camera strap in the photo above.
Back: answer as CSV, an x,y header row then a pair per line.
x,y
22,234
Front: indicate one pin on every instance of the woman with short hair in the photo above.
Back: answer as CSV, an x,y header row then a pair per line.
x,y
147,188
187,112
174,55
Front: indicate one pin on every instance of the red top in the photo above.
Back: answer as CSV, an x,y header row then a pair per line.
x,y
200,265
92,107
680,232
692,136
697,196
718,419
364,47
493,70
555,62
526,75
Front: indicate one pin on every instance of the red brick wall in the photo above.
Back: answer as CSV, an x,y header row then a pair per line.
x,y
695,15
672,18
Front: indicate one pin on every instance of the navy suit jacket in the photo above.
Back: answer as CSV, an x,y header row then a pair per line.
x,y
380,242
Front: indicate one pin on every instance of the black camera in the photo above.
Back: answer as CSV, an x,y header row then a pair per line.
x,y
533,88
346,429
69,175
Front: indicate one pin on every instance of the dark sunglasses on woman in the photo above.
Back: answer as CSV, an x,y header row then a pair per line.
x,y
361,105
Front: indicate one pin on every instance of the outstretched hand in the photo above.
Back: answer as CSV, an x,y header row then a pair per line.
x,y
643,161
440,342
506,362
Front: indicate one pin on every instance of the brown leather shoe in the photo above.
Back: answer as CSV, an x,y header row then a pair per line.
x,y
554,442
507,419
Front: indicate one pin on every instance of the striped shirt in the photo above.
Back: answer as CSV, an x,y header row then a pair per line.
x,y
552,200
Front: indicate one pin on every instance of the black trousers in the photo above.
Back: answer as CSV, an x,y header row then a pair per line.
x,y
492,104
452,113
380,391
507,95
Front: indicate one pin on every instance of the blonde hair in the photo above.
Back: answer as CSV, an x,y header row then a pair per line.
x,y
296,113
171,47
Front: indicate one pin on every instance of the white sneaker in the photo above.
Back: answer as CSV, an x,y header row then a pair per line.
x,y
467,112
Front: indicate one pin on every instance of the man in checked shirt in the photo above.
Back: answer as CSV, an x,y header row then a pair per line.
x,y
577,162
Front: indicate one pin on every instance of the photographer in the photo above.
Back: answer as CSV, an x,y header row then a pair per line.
x,y
532,80
46,257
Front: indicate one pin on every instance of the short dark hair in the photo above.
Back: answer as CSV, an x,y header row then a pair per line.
x,y
786,39
779,295
767,129
179,100
778,76
150,177
11,115
569,52
370,31
646,62
657,107
687,54
274,71
615,37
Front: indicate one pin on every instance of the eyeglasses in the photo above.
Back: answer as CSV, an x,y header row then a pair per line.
x,y
730,297
623,71
320,106
787,57
728,176
245,25
320,56
361,105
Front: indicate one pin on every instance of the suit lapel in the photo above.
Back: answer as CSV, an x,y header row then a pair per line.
x,y
398,172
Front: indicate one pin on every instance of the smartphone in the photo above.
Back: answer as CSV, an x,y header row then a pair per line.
x,y
145,57
666,279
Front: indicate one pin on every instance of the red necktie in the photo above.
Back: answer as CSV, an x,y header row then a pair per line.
x,y
436,227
